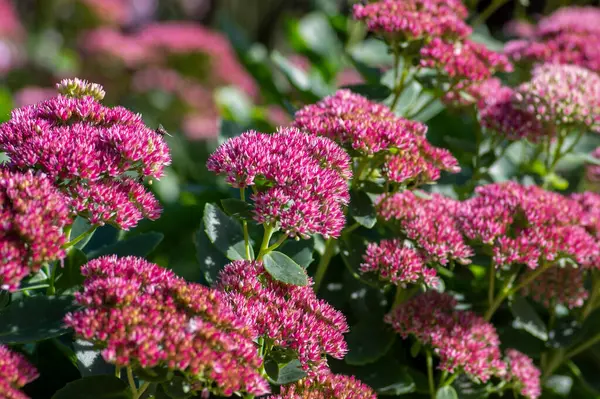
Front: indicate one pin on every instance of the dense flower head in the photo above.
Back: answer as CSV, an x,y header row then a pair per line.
x,y
143,316
90,151
592,172
570,19
291,316
559,286
15,372
590,216
526,225
429,222
300,180
498,113
397,263
327,386
33,215
562,95
477,94
523,374
368,128
463,62
463,340
406,20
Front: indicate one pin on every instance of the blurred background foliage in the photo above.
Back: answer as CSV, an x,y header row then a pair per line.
x,y
209,69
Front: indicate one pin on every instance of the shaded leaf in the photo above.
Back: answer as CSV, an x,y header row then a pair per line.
x,y
362,209
301,251
291,372
526,318
375,92
272,369
69,275
282,268
210,258
237,207
95,387
224,232
89,360
140,245
368,341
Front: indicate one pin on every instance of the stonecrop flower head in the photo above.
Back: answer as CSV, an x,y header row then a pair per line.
x,y
394,262
326,386
291,316
526,225
91,152
523,374
300,180
559,286
145,317
33,215
592,172
15,372
562,95
409,20
590,217
429,222
367,128
462,340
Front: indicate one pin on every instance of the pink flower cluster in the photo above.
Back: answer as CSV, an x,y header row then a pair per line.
x,y
590,217
429,222
592,172
559,286
562,95
523,374
327,386
300,181
11,38
15,372
90,152
408,20
463,62
144,316
33,214
371,128
568,36
526,225
462,340
291,316
396,263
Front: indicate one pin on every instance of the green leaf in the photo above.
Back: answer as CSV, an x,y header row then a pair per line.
x,y
368,341
140,245
178,388
446,392
95,387
225,233
272,369
526,318
291,372
557,181
362,209
6,104
282,268
415,349
69,275
238,208
375,92
210,258
387,376
301,251
89,360
81,226
33,319
565,333
156,374
352,249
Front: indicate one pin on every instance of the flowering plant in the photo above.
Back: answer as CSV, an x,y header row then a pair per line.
x,y
430,232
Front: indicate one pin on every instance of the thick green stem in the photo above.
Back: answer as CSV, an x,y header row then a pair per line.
x,y
273,247
492,281
264,246
591,302
118,371
430,374
132,385
80,237
449,380
330,246
142,389
245,227
491,9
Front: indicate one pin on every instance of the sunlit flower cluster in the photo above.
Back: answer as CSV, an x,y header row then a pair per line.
x,y
327,386
523,374
291,316
33,215
91,152
15,372
143,316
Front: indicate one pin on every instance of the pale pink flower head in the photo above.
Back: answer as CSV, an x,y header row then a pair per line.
x,y
93,153
461,339
291,316
364,128
80,88
477,94
559,286
300,180
326,386
589,218
570,19
429,222
523,374
33,216
398,264
408,20
145,317
15,372
562,95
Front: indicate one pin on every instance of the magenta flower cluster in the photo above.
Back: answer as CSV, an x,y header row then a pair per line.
x,y
291,316
15,372
526,225
523,374
462,340
429,222
300,181
33,215
327,386
559,286
90,152
369,128
592,172
143,316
